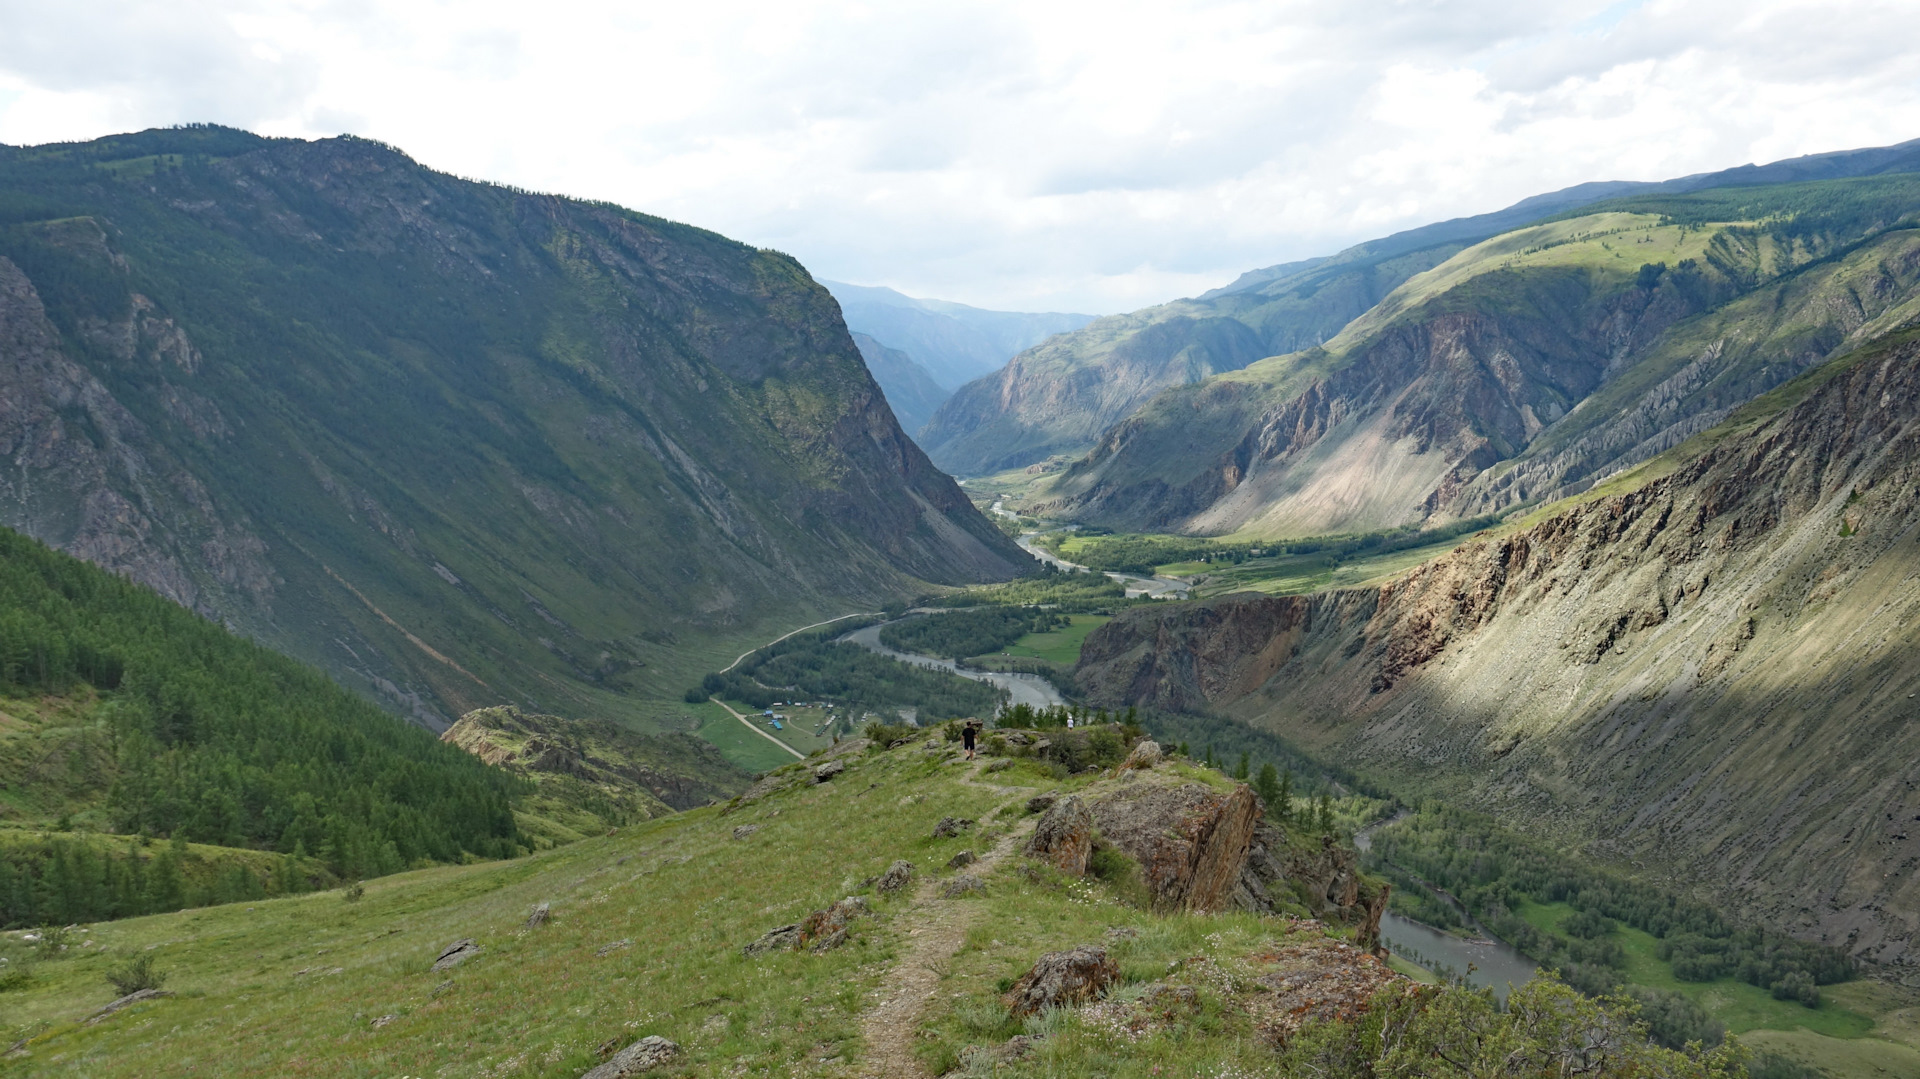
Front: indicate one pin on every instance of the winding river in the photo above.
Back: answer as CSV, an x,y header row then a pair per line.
x,y
1494,962
1022,688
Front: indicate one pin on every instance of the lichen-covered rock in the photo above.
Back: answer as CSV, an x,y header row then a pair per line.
x,y
456,953
1040,803
541,912
1059,979
1191,840
778,939
647,1053
1335,888
895,878
1064,837
961,860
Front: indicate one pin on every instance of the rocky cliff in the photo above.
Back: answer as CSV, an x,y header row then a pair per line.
x,y
1705,670
459,444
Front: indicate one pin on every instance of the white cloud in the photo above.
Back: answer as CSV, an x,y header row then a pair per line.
x,y
1083,156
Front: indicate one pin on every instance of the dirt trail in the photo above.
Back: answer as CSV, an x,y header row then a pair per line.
x,y
938,928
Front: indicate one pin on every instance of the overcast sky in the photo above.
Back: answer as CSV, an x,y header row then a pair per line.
x,y
1092,157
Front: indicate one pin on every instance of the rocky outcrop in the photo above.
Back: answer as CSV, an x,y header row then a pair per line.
x,y
895,878
1706,672
1062,979
456,953
1191,840
1064,836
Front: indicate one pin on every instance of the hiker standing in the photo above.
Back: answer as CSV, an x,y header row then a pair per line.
x,y
967,736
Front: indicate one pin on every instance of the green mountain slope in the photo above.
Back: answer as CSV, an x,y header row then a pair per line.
x,y
457,444
732,936
1058,398
1703,670
1521,368
125,713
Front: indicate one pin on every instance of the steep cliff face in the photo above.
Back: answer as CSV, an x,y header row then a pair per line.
x,y
459,444
1709,674
1520,369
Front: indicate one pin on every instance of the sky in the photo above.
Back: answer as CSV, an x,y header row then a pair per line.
x,y
1092,157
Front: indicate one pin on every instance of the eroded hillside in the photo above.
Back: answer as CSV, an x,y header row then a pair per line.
x,y
1709,675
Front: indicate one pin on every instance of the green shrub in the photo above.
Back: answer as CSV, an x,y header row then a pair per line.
x,y
136,974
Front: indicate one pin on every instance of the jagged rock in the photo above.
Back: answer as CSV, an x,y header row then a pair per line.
x,y
824,930
1191,841
541,912
828,770
1058,979
770,784
1144,756
745,830
1064,837
962,859
1314,982
950,827
456,953
1335,888
1040,803
1018,738
778,939
647,1053
962,885
895,878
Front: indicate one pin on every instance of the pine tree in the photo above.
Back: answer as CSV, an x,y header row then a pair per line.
x,y
1283,803
1324,823
1267,785
1240,769
1210,761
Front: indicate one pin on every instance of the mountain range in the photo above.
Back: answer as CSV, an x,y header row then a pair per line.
x,y
1061,397
458,444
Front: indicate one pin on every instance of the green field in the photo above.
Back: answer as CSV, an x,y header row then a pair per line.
x,y
1740,1006
738,744
1060,646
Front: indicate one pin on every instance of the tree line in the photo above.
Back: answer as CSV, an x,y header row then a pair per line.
x,y
218,740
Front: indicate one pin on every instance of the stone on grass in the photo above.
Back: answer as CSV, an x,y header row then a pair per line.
x,y
1059,979
745,830
541,912
962,885
1064,837
128,1001
647,1053
824,930
778,939
962,859
1040,803
950,827
456,953
895,878
828,771
1000,765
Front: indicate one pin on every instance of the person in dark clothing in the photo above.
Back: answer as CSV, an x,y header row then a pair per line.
x,y
967,736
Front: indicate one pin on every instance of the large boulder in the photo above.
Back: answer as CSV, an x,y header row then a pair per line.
x,y
1064,837
1144,756
1191,840
1062,978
